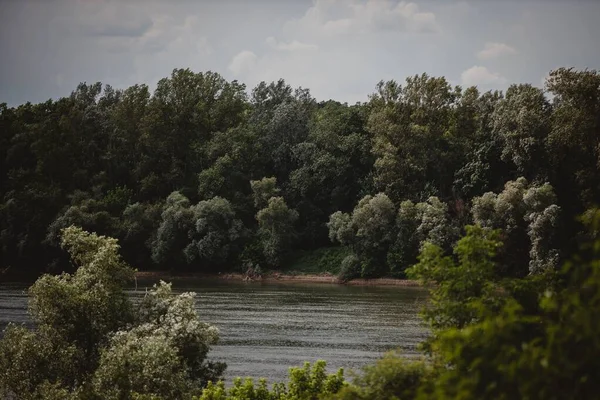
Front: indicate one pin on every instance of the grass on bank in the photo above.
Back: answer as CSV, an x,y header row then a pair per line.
x,y
324,260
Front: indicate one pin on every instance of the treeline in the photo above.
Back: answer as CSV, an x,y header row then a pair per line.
x,y
202,176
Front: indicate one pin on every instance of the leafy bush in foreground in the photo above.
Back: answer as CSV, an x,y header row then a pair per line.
x,y
91,342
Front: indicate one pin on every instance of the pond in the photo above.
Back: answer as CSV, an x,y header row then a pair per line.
x,y
266,328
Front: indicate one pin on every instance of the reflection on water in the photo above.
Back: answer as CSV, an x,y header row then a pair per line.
x,y
266,328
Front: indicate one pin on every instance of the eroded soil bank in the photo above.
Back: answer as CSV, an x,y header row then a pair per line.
x,y
273,277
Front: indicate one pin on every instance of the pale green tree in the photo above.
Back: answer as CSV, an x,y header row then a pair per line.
x,y
276,229
263,190
164,355
416,224
90,340
172,236
305,383
74,315
369,231
218,232
528,216
521,120
204,235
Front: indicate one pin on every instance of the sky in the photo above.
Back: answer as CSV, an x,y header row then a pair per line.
x,y
339,49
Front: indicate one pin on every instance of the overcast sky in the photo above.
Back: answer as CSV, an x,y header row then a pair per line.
x,y
338,49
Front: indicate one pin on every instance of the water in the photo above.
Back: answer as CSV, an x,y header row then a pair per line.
x,y
266,328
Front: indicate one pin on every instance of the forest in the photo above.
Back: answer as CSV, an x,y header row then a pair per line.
x,y
487,199
202,175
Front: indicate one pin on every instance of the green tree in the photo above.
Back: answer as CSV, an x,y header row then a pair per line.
x,y
205,235
333,168
460,280
164,355
276,229
529,218
369,231
521,120
409,125
172,236
263,190
415,224
217,237
90,340
572,143
540,346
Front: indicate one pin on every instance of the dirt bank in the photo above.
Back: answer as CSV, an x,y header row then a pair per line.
x,y
275,277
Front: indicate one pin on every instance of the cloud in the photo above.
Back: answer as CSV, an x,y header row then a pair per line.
x,y
243,62
166,34
291,46
104,18
495,50
478,75
332,17
338,48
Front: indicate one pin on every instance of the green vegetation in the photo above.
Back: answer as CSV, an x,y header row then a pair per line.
x,y
492,336
91,342
305,383
318,261
475,194
203,175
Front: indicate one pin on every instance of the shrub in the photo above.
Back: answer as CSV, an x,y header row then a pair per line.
x,y
350,268
305,383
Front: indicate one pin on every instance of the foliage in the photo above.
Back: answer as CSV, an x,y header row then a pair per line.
x,y
207,233
549,351
350,268
382,238
218,232
368,231
173,232
111,160
305,383
460,280
263,190
523,211
317,261
415,224
164,354
276,229
391,377
90,340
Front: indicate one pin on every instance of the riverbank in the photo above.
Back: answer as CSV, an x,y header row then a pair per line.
x,y
275,277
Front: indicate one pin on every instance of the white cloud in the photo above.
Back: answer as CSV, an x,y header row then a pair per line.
x,y
478,75
105,19
243,62
332,17
495,50
291,46
165,35
338,48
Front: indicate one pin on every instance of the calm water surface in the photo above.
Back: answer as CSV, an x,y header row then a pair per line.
x,y
266,328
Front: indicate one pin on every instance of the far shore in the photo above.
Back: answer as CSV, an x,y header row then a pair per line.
x,y
276,277
270,277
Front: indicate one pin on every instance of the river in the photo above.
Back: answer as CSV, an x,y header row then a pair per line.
x,y
266,328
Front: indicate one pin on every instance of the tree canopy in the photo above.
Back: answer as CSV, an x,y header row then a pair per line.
x,y
183,176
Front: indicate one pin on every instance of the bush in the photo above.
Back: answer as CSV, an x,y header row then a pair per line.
x,y
305,383
392,377
317,261
350,268
90,339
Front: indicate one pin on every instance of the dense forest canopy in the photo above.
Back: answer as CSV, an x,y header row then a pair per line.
x,y
203,175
